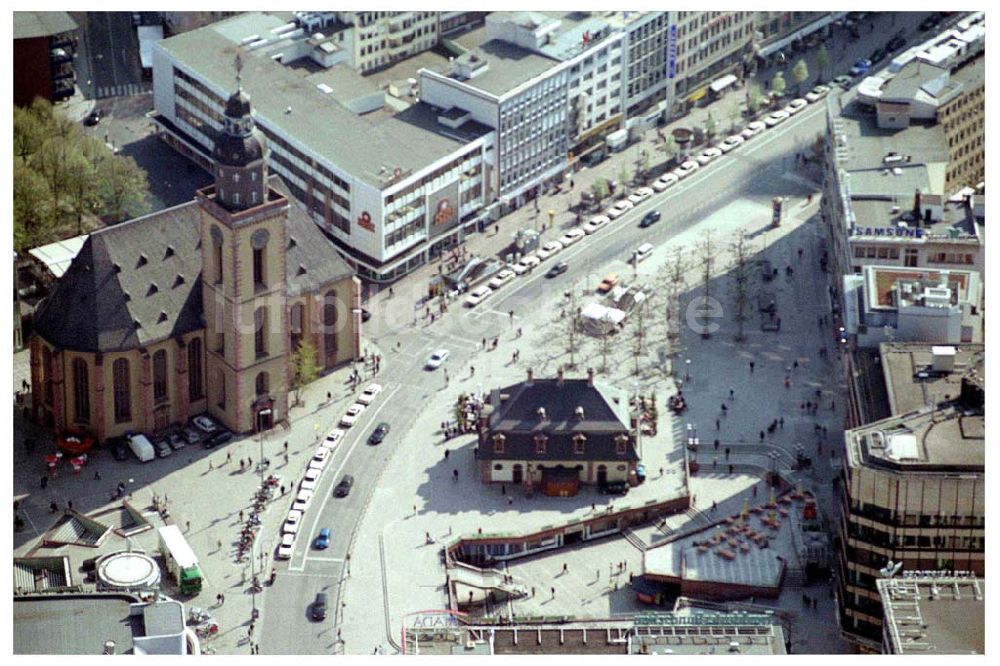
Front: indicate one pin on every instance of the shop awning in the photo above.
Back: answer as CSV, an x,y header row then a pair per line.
x,y
721,84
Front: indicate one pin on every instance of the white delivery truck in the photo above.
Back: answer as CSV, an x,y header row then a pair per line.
x,y
142,447
182,564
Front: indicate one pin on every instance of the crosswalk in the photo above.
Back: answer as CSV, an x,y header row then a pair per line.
x,y
103,92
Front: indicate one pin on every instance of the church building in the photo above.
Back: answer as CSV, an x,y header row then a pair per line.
x,y
196,308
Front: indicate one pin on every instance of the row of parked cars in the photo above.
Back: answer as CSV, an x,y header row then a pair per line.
x,y
314,471
202,429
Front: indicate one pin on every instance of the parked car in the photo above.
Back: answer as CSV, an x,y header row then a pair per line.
x,y
615,488
776,117
552,247
708,155
319,606
176,441
665,181
501,278
571,236
529,261
204,423
619,208
844,81
817,93
311,477
368,395
118,448
608,283
517,268
643,252
192,435
557,270
860,67
436,359
141,447
595,223
752,129
351,415
322,539
286,547
640,195
320,458
685,169
929,23
343,488
292,522
93,118
650,218
878,55
730,142
795,106
162,447
333,438
640,472
478,295
896,43
217,438
378,434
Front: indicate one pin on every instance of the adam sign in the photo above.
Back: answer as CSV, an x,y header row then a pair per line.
x,y
442,209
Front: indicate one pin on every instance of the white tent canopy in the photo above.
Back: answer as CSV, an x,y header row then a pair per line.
x,y
598,319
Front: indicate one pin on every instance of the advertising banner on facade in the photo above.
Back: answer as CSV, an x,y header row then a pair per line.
x,y
672,51
442,209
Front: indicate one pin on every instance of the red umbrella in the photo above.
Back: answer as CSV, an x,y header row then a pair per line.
x,y
51,459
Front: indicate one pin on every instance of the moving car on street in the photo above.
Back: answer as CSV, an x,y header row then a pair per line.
x,y
343,488
557,270
650,218
436,359
322,539
319,607
378,434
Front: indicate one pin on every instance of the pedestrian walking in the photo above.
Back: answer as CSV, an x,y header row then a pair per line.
x,y
455,474
210,466
716,444
44,481
565,568
833,405
241,515
97,476
724,408
69,505
189,526
796,364
503,489
732,394
532,592
754,490
446,453
727,453
53,507
762,435
510,501
716,424
553,590
781,422
751,367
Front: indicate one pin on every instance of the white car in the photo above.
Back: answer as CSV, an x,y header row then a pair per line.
x,y
753,128
477,296
501,278
665,181
571,236
619,208
817,93
595,223
292,523
299,505
518,268
530,261
640,195
353,412
368,395
552,247
311,478
204,423
436,359
685,169
320,458
542,254
286,547
777,117
333,438
708,155
795,106
304,496
731,142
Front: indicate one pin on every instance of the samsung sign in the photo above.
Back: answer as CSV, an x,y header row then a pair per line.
x,y
887,232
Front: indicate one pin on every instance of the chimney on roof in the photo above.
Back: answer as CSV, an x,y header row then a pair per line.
x,y
559,377
531,377
541,413
579,413
590,376
916,207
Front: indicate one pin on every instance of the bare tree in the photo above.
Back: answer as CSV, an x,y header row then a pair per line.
x,y
741,281
638,333
605,348
571,324
706,257
671,281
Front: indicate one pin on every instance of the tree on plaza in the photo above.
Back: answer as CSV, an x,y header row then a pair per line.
x,y
755,98
706,256
570,324
638,333
600,189
778,84
710,125
305,369
643,162
822,59
669,146
605,349
29,129
800,73
33,214
742,280
671,281
624,175
734,117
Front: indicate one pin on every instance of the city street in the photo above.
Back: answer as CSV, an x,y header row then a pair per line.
x,y
107,61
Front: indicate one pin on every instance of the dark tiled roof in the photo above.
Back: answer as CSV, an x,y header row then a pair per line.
x,y
131,284
148,272
605,416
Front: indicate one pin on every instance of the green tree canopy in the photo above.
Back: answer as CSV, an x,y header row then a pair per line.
x,y
822,58
778,84
800,72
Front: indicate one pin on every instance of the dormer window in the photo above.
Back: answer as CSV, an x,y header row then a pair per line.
x,y
541,442
253,197
579,440
498,443
236,198
621,444
236,177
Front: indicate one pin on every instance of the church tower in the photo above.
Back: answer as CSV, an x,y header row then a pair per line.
x,y
243,248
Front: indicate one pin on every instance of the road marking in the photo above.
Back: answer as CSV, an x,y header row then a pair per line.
x,y
289,572
327,496
324,559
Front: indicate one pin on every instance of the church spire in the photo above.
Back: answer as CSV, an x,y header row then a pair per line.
x,y
240,152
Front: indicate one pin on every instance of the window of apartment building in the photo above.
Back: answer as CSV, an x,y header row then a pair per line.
x,y
122,384
196,387
160,376
81,392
